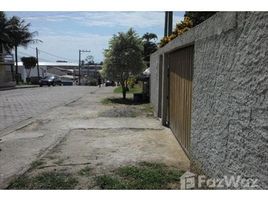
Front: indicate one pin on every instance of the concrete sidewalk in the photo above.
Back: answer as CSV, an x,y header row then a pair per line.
x,y
74,134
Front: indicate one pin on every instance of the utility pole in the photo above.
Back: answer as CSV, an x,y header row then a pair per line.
x,y
168,23
36,50
79,64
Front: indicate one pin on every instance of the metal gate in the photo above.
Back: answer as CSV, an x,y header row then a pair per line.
x,y
180,94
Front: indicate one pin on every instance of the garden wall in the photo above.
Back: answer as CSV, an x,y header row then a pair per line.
x,y
229,131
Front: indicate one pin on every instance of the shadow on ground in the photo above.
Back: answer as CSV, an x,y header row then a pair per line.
x,y
127,101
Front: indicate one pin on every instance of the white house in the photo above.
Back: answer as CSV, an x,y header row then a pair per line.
x,y
44,68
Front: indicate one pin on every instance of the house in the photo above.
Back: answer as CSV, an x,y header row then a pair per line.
x,y
48,68
209,86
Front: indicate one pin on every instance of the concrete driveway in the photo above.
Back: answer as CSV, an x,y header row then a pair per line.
x,y
77,134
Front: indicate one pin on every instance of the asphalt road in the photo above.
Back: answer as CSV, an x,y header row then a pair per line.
x,y
21,104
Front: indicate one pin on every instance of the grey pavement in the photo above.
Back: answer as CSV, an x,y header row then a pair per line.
x,y
104,142
18,105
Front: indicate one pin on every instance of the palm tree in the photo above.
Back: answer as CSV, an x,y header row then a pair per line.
x,y
5,40
149,36
21,36
149,46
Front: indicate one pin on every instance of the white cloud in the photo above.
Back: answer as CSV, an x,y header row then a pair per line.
x,y
123,19
109,19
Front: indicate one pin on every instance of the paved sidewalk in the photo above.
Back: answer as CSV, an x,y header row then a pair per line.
x,y
71,135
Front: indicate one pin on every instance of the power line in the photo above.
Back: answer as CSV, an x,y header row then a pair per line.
x,y
26,54
50,54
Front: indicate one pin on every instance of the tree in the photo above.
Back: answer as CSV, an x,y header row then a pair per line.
x,y
123,58
198,17
29,63
180,28
90,60
190,20
149,46
5,28
20,36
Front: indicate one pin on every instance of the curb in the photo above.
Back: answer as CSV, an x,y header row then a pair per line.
x,y
15,88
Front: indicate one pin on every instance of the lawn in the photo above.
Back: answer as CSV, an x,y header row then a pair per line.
x,y
135,89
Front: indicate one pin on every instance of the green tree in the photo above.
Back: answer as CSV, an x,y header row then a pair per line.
x,y
90,60
20,36
5,28
29,63
149,45
198,17
124,58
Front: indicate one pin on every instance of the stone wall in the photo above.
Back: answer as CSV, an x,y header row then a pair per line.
x,y
229,133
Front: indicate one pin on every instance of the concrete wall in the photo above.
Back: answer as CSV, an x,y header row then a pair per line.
x,y
229,133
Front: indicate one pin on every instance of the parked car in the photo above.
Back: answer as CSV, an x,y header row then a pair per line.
x,y
50,80
109,83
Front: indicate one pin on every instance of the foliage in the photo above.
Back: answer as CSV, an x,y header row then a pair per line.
x,y
181,27
190,20
144,176
15,32
5,40
123,58
198,17
149,45
135,89
89,60
29,63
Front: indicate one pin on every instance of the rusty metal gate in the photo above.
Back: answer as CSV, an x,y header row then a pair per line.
x,y
180,94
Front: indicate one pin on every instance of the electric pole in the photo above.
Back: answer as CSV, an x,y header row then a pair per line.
x,y
36,50
79,65
168,23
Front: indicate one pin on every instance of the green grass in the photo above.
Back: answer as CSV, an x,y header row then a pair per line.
x,y
46,180
144,176
135,89
110,182
36,164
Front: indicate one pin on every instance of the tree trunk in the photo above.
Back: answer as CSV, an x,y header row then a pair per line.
x,y
124,91
16,68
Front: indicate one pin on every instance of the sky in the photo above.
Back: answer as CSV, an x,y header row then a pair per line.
x,y
64,33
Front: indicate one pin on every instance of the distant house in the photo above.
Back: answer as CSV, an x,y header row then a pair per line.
x,y
48,68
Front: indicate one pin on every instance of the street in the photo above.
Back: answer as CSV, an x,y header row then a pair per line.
x,y
21,104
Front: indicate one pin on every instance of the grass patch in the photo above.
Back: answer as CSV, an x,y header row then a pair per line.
x,y
46,181
144,176
135,89
85,171
36,164
109,182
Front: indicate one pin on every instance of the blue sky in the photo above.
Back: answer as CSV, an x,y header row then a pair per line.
x,y
64,33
